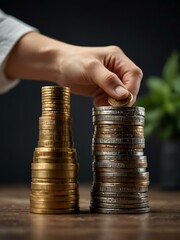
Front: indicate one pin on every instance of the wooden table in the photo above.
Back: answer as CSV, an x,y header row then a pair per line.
x,y
163,222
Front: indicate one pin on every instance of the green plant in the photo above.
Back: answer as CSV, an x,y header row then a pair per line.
x,y
162,103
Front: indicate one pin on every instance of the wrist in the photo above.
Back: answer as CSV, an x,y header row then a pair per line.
x,y
35,57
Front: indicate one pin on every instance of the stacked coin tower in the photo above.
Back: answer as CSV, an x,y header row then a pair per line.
x,y
54,186
120,183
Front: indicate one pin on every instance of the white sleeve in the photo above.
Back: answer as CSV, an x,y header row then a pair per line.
x,y
11,30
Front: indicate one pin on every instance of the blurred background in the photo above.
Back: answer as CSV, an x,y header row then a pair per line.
x,y
147,32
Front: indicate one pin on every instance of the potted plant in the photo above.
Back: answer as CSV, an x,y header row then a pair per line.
x,y
162,104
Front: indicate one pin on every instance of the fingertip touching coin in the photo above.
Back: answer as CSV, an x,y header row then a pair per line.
x,y
122,102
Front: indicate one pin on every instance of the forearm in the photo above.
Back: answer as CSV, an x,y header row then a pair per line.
x,y
34,57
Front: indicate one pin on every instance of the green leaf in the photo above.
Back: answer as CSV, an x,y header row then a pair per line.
x,y
158,88
171,67
154,116
176,84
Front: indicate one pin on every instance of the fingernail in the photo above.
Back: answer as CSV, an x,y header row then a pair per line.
x,y
120,91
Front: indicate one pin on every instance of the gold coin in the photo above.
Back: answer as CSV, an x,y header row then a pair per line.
x,y
55,88
55,150
54,211
56,180
53,205
49,132
51,198
54,144
54,166
62,109
120,103
56,155
54,160
55,129
52,120
47,187
53,174
54,113
55,137
55,193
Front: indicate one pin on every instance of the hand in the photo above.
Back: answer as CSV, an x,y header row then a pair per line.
x,y
98,72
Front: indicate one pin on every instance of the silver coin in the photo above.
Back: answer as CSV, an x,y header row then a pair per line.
x,y
121,157
117,189
116,205
120,194
120,170
119,129
113,118
118,112
122,200
128,158
110,164
119,140
107,147
124,109
118,153
123,174
117,135
119,211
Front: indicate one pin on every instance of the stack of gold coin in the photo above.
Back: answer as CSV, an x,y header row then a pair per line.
x,y
120,183
54,186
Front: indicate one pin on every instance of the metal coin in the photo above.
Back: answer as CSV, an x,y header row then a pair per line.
x,y
113,119
116,205
54,166
54,160
55,186
118,135
127,158
118,128
130,195
118,152
110,147
119,140
121,183
53,205
124,174
119,211
54,211
124,200
115,164
54,180
53,174
119,111
122,102
51,199
98,178
124,109
116,171
115,188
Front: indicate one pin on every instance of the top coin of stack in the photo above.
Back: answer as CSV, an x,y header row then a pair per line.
x,y
54,187
120,179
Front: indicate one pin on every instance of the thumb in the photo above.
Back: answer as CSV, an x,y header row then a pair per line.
x,y
109,82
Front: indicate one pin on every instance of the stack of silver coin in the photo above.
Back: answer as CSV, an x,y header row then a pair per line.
x,y
120,180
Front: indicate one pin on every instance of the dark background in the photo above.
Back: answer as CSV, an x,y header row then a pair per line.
x,y
147,31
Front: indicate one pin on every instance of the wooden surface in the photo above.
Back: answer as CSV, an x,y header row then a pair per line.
x,y
162,223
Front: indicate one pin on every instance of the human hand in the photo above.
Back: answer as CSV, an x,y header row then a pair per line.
x,y
99,72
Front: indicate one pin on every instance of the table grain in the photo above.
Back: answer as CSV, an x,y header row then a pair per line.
x,y
163,222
